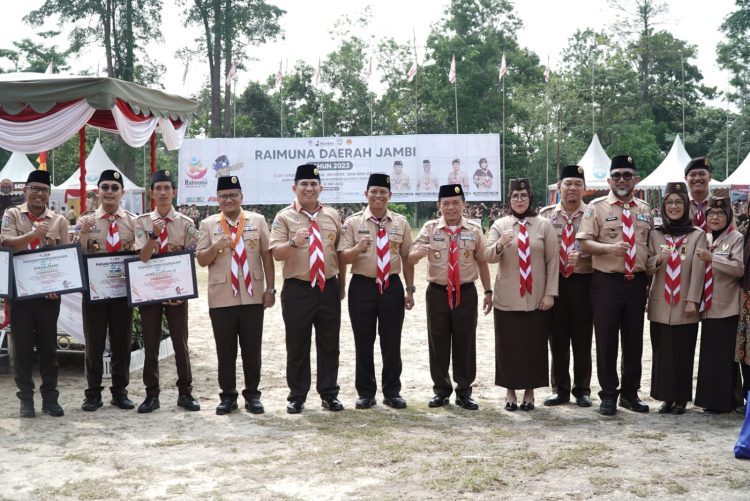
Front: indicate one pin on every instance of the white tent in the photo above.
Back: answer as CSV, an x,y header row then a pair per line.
x,y
96,162
17,168
595,163
672,169
741,174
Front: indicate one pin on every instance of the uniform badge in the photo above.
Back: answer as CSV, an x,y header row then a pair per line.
x,y
111,219
139,232
613,234
128,246
331,236
626,206
253,244
467,254
116,175
394,246
453,238
725,247
95,245
436,254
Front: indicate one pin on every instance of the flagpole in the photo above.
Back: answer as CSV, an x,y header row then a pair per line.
x,y
455,96
416,82
234,110
682,66
502,152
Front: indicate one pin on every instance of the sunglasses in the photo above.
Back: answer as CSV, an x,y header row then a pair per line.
x,y
625,176
114,188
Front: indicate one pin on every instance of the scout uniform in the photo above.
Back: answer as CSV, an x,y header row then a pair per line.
x,y
235,313
452,318
305,304
427,182
111,233
572,321
181,235
35,320
698,209
368,306
400,182
618,299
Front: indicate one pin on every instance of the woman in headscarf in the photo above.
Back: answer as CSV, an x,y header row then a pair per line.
x,y
718,388
525,246
742,351
676,291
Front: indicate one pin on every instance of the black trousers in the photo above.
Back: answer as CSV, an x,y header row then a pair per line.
x,y
572,326
745,370
303,307
177,321
456,329
35,325
99,318
230,324
618,306
368,310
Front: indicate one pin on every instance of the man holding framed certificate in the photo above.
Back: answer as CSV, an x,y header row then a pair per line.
x,y
31,226
107,231
158,232
234,246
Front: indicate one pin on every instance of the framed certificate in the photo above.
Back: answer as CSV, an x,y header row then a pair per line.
x,y
48,270
6,273
105,275
165,277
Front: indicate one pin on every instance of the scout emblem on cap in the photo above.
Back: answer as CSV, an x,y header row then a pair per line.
x,y
580,169
315,171
706,162
677,187
117,175
630,160
523,185
387,179
234,179
166,172
457,189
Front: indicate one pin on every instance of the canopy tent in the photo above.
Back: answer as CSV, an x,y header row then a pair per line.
x,y
741,175
17,168
96,162
39,112
595,163
671,169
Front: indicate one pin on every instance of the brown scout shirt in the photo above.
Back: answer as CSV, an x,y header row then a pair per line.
x,y
727,270
559,218
95,241
470,250
256,236
286,223
692,272
602,222
545,265
16,223
181,231
359,224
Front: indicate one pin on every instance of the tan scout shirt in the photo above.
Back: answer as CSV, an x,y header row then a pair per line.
x,y
17,223
359,224
693,208
400,183
727,269
470,250
602,222
256,236
559,218
544,264
181,231
95,241
692,272
285,225
459,177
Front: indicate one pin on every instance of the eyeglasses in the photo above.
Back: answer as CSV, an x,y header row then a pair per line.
x,y
114,188
39,189
674,203
519,196
228,196
625,176
716,213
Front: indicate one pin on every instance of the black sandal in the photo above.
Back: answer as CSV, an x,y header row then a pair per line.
x,y
527,406
511,406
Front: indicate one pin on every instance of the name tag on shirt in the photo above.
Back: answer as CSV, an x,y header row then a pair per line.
x,y
250,227
643,217
438,238
468,236
611,218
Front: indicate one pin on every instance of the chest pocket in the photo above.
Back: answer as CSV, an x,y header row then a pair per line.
x,y
395,240
438,251
328,233
252,240
176,248
466,250
612,231
642,229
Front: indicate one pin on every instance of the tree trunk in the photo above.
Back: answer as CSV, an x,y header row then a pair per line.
x,y
107,21
216,70
228,116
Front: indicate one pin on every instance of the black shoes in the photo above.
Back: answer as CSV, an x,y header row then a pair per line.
x,y
364,403
679,408
466,402
295,407
608,407
91,403
188,403
331,403
27,408
226,406
557,399
52,408
583,401
254,406
438,401
633,403
527,406
149,405
511,406
122,402
396,402
666,408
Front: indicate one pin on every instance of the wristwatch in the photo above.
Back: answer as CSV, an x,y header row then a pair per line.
x,y
488,291
411,289
152,235
271,290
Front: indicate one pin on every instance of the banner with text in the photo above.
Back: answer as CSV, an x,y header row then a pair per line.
x,y
417,164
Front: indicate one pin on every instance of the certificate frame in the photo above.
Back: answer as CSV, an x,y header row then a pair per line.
x,y
179,262
90,260
7,284
71,260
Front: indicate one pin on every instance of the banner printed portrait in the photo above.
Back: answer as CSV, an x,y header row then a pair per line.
x,y
417,164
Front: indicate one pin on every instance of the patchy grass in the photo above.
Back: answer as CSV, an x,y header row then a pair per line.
x,y
82,457
648,435
81,489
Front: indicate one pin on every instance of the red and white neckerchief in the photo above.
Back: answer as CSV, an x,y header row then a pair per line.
x,y
524,258
708,279
567,244
628,236
383,249
454,276
164,237
113,234
239,254
674,266
36,243
317,260
699,218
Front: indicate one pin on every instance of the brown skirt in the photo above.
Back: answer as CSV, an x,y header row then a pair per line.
x,y
718,385
521,349
673,349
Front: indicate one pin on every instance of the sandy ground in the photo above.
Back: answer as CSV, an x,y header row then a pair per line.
x,y
551,453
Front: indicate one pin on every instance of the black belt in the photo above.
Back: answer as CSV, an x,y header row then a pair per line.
x,y
467,285
305,283
365,277
620,275
576,276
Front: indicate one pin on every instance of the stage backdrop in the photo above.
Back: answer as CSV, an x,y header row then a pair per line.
x,y
265,166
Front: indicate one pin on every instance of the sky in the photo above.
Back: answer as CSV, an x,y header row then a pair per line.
x,y
548,24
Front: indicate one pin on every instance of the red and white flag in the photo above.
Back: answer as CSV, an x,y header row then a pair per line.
x,y
452,72
503,67
185,73
412,71
232,73
279,76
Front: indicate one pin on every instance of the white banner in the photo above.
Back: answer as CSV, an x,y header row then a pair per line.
x,y
417,164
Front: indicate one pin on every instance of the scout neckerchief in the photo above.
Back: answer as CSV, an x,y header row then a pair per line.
x,y
317,260
628,236
36,243
113,234
163,237
454,276
524,258
567,244
239,255
699,218
382,247
708,279
674,266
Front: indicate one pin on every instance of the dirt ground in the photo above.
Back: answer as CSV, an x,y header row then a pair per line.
x,y
551,453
